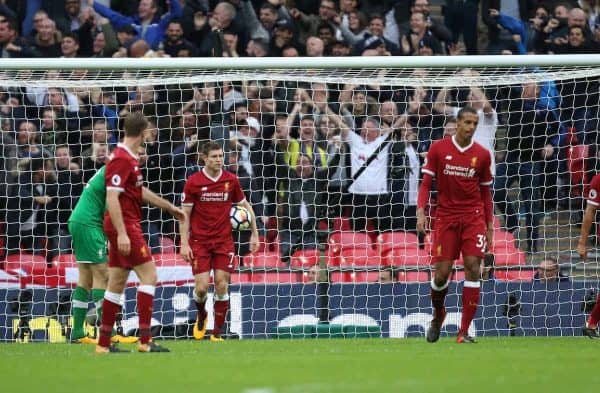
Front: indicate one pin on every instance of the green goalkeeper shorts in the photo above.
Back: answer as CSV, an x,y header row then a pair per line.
x,y
89,243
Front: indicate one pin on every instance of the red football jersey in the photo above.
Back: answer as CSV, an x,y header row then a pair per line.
x,y
211,199
593,196
459,174
123,174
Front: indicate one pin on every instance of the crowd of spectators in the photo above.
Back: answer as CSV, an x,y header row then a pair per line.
x,y
296,146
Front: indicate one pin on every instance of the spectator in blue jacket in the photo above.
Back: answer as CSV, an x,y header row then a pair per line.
x,y
144,22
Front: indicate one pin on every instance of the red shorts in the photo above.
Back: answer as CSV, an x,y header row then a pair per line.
x,y
453,235
139,252
216,254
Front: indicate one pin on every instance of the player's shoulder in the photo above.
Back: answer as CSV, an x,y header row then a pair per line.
x,y
480,149
440,144
228,175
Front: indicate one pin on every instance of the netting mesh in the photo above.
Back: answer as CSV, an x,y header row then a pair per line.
x,y
335,251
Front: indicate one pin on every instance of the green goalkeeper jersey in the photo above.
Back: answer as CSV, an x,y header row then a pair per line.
x,y
92,203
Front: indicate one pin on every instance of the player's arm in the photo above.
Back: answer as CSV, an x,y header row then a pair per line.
x,y
588,219
422,199
253,228
116,217
184,234
488,209
485,184
161,203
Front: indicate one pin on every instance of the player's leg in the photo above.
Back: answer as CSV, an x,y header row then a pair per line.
x,y
473,248
202,281
470,297
79,302
591,327
221,302
111,306
146,272
439,289
445,249
201,265
99,283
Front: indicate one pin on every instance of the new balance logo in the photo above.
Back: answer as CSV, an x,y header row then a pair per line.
x,y
204,189
448,157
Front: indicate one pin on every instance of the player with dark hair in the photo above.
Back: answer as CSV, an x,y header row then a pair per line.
x,y
206,239
463,219
127,248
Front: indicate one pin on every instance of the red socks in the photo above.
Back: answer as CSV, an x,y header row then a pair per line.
x,y
595,315
220,308
145,300
110,308
470,301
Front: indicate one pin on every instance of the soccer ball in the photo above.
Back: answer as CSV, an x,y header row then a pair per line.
x,y
240,218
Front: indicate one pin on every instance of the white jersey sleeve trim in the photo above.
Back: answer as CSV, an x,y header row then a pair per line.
x,y
120,189
425,170
487,183
593,203
187,204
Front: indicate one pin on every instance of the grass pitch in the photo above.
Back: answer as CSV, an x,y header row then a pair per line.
x,y
318,365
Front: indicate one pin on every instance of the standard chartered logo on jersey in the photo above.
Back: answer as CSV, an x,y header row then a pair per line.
x,y
456,170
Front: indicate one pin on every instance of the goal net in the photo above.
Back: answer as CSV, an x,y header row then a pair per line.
x,y
329,154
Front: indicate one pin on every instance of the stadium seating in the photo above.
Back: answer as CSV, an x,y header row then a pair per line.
x,y
360,257
167,245
354,277
33,270
267,259
407,257
305,258
348,239
389,241
413,277
514,275
171,259
279,277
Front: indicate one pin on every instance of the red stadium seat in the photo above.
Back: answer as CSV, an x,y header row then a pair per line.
x,y
163,260
514,257
362,257
275,277
458,275
388,241
240,277
34,270
348,239
167,245
24,261
263,260
504,241
303,259
65,260
407,257
412,277
514,275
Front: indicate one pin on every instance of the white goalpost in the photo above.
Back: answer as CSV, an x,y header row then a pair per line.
x,y
329,152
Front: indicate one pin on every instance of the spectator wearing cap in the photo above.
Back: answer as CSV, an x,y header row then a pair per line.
x,y
419,41
283,37
340,48
308,25
144,22
376,28
175,45
375,46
